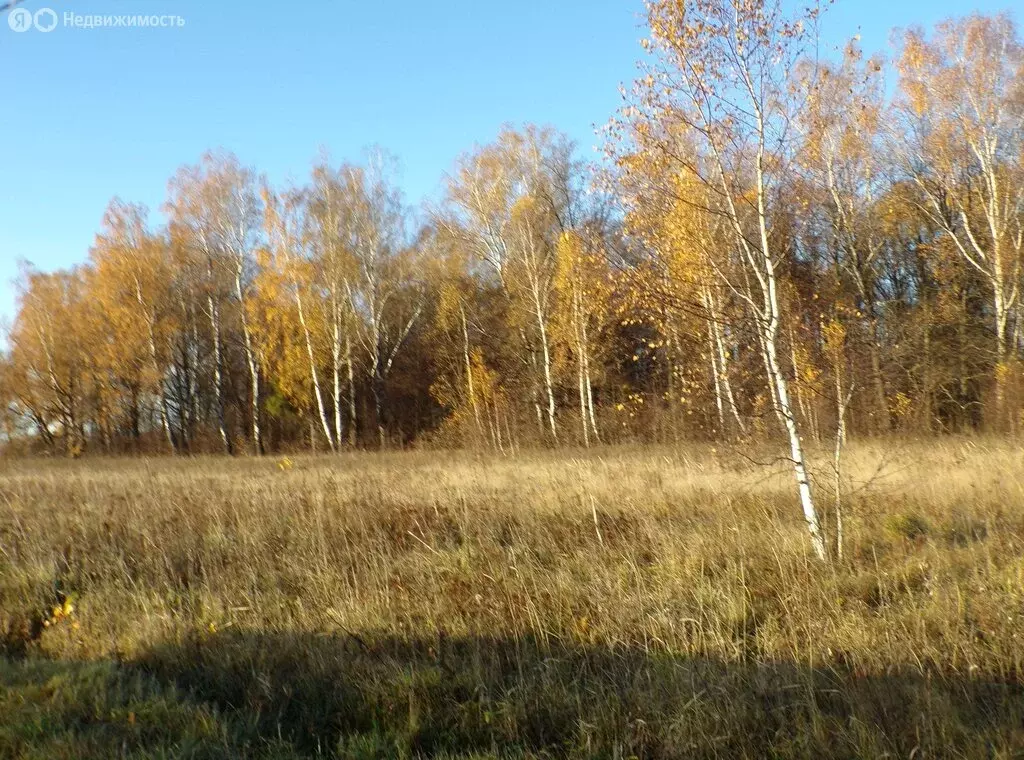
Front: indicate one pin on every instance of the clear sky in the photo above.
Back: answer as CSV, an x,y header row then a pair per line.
x,y
87,114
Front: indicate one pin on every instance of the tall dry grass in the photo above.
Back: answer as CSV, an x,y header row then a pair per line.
x,y
618,603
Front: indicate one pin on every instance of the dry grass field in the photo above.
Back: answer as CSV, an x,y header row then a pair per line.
x,y
621,603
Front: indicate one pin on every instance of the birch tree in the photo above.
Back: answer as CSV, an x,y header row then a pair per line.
x,y
847,161
215,206
193,231
384,291
584,288
961,139
131,280
456,292
50,360
334,242
722,71
289,278
509,202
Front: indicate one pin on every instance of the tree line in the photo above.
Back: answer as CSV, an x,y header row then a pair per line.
x,y
776,244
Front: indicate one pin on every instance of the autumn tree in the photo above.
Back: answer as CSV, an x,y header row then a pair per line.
x,y
847,179
290,315
779,245
215,216
584,289
130,283
332,239
49,376
723,71
961,139
509,203
384,290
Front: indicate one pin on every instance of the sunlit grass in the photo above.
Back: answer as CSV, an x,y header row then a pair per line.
x,y
617,603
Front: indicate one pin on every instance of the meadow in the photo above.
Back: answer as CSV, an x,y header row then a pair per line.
x,y
618,603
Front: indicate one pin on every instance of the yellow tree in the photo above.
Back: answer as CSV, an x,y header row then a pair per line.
x,y
508,203
961,141
130,283
583,285
288,283
847,164
722,77
457,388
49,360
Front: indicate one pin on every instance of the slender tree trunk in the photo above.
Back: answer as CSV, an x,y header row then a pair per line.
x,y
470,390
314,375
352,413
716,377
193,380
377,379
535,390
1017,342
254,407
336,359
590,389
165,415
671,361
926,371
769,326
1001,374
805,412
789,422
135,416
583,395
723,364
494,421
508,431
842,401
218,374
183,383
377,390
548,383
590,405
771,330
884,424
252,364
378,410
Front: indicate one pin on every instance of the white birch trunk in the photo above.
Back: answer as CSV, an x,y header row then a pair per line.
x,y
716,376
251,363
470,390
314,375
548,383
218,373
336,360
351,391
723,363
590,399
583,400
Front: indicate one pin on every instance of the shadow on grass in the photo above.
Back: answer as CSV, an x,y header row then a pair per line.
x,y
285,695
381,696
99,710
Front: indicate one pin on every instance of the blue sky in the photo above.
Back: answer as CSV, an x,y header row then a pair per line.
x,y
87,114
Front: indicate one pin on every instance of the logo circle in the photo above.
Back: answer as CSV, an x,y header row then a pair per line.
x,y
45,20
20,20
